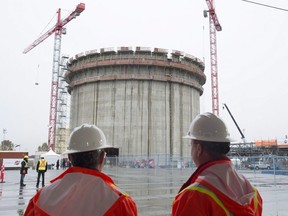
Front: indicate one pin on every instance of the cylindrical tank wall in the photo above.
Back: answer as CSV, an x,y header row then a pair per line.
x,y
143,108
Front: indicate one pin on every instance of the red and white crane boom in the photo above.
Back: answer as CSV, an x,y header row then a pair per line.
x,y
58,30
214,26
58,27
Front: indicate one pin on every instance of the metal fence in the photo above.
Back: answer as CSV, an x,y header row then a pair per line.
x,y
152,161
153,181
262,162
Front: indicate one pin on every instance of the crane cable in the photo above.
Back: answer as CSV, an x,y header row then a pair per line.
x,y
278,8
39,56
53,18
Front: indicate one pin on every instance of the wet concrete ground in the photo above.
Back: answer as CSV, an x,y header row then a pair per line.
x,y
152,189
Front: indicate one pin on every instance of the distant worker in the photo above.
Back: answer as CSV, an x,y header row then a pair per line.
x,y
41,168
57,164
215,188
83,189
23,170
63,163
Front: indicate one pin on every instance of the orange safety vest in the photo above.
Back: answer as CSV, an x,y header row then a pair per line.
x,y
81,191
42,165
202,197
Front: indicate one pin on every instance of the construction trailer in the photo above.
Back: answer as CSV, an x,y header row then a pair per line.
x,y
12,159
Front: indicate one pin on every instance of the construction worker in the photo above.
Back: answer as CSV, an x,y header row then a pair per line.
x,y
23,170
41,168
215,188
83,189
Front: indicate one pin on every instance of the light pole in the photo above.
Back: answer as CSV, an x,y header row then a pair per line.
x,y
17,146
4,132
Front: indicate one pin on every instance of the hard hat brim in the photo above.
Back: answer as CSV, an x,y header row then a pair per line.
x,y
208,140
208,127
86,150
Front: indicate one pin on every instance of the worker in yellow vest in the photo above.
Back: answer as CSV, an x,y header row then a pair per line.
x,y
24,170
41,169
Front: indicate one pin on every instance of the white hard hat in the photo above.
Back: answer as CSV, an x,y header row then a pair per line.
x,y
86,138
208,127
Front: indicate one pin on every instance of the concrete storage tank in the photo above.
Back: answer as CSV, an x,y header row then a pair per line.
x,y
143,100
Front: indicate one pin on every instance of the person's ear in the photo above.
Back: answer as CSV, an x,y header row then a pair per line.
x,y
101,158
70,158
199,149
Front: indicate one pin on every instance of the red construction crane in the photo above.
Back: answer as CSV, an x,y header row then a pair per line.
x,y
58,30
214,26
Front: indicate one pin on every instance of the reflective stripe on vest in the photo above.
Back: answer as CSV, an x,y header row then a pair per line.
x,y
255,199
202,189
42,165
26,164
118,189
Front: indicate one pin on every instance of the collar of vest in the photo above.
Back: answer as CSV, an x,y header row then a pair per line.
x,y
84,171
200,169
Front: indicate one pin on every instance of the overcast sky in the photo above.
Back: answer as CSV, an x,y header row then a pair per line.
x,y
252,56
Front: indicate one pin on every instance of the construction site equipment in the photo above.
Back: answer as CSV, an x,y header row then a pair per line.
x,y
242,135
214,26
58,29
62,108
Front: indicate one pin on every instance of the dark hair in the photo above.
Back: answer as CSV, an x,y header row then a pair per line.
x,y
216,149
85,159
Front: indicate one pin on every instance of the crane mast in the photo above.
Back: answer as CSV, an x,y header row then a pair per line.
x,y
58,30
214,26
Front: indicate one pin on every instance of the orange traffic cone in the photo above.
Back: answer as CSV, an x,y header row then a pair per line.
x,y
2,173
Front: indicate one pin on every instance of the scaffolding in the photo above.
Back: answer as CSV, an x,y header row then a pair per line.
x,y
62,130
